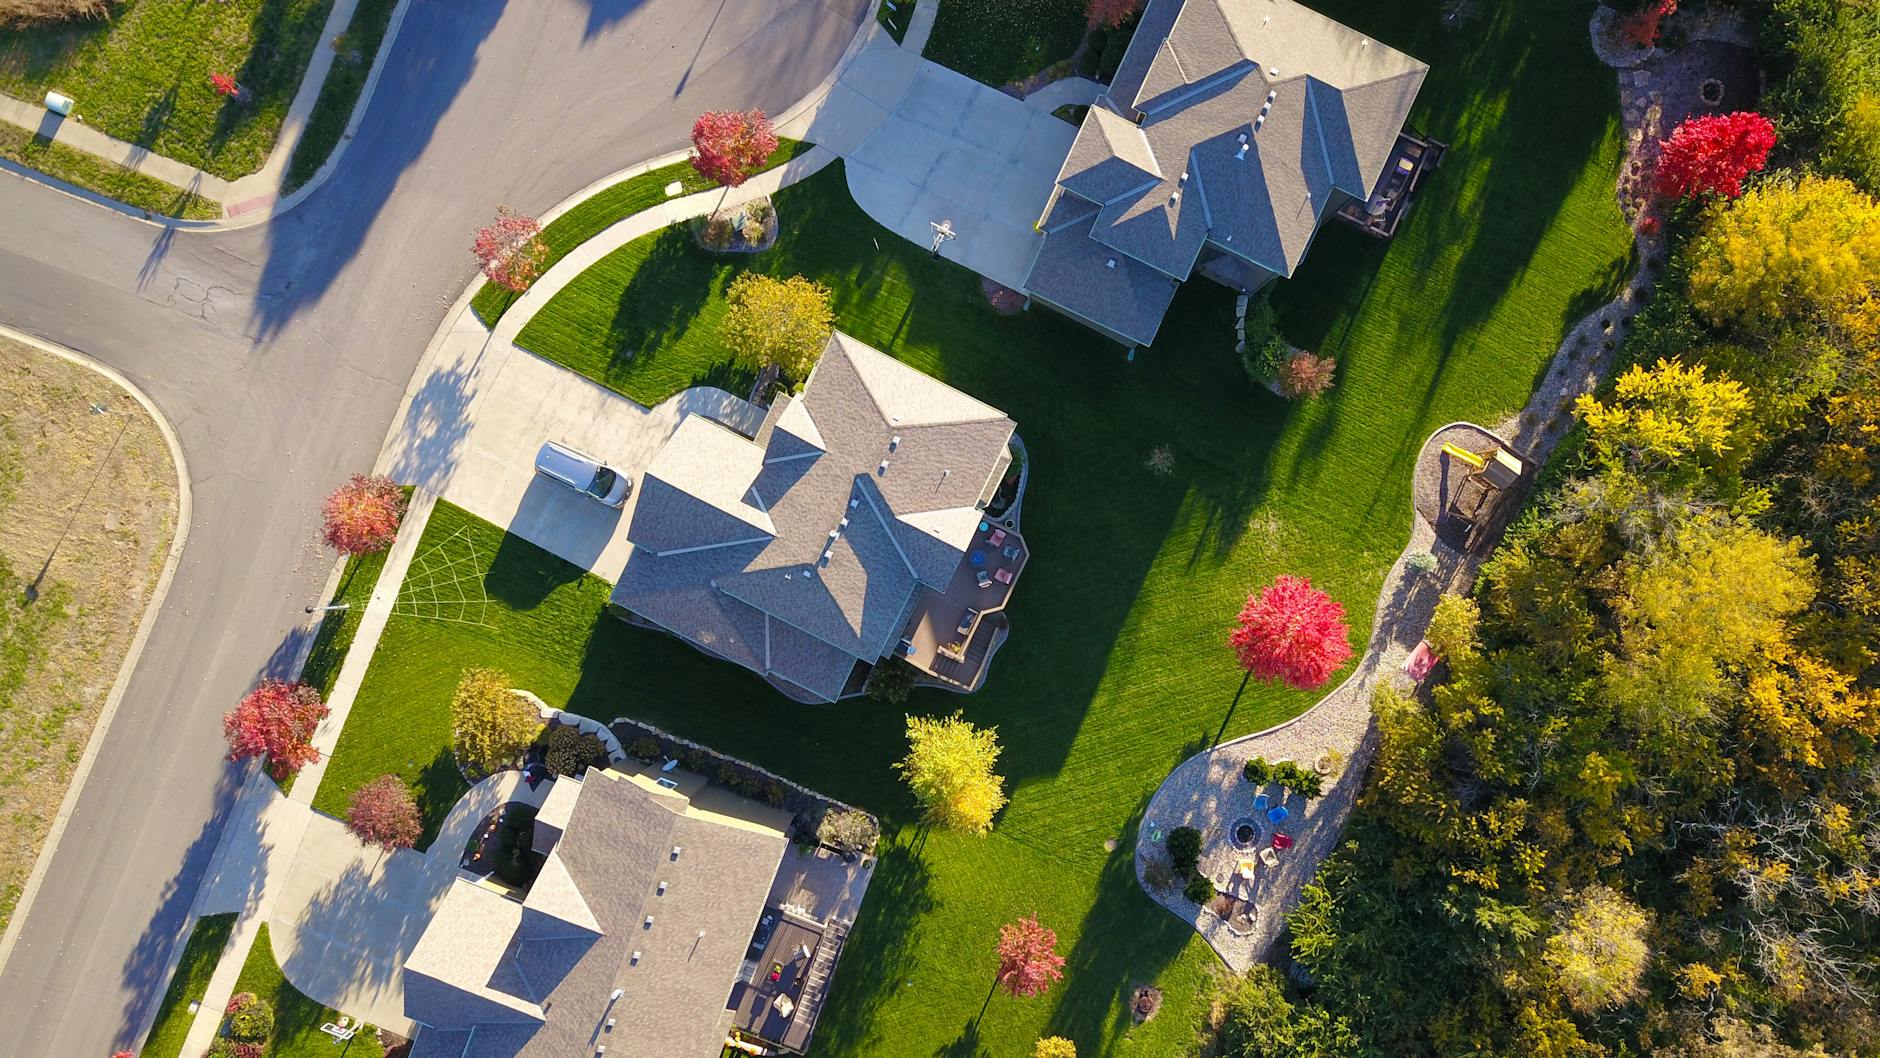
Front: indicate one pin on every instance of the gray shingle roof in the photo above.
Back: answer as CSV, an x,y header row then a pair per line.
x,y
675,971
1073,271
868,484
1256,115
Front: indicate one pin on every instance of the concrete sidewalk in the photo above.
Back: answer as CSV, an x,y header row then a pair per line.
x,y
257,190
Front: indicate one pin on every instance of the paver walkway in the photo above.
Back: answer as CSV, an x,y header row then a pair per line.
x,y
257,190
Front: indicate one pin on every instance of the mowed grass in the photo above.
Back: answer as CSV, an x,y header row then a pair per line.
x,y
997,42
297,1019
188,985
340,92
143,76
596,214
95,174
1117,667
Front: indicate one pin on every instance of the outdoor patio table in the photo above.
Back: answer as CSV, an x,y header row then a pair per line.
x,y
979,558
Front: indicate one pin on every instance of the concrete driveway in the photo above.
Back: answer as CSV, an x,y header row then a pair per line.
x,y
484,407
923,143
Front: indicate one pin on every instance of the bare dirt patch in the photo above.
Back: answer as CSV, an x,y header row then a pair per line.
x,y
78,562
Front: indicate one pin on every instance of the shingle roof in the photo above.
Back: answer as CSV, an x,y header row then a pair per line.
x,y
1254,114
1076,273
674,952
868,483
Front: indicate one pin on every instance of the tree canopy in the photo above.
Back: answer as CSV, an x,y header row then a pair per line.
x,y
777,322
949,767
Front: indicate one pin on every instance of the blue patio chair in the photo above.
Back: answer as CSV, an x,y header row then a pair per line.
x,y
1277,815
1260,802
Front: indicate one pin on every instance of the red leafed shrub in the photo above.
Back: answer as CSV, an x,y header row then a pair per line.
x,y
1711,155
275,721
225,84
729,145
383,813
1290,631
362,515
1028,958
1305,375
122,1054
510,251
1642,26
1113,12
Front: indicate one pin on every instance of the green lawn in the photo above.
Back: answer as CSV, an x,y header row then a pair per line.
x,y
998,42
95,174
340,91
143,76
895,15
1117,667
335,636
187,986
297,1019
594,215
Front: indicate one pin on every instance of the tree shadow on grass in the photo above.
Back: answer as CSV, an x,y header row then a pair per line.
x,y
1125,940
881,952
437,790
670,286
277,61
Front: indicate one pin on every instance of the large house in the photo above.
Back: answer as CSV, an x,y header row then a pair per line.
x,y
1231,130
850,528
637,937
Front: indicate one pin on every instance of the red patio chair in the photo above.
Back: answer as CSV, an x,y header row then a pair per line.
x,y
1282,842
998,537
1002,575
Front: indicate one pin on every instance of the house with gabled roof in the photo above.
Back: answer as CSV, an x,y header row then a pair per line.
x,y
1231,131
850,528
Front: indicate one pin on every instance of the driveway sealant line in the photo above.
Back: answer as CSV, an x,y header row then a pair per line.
x,y
82,770
260,215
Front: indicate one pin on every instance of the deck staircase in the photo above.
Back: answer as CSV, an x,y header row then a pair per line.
x,y
816,978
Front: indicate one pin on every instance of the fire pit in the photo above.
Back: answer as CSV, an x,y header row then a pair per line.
x,y
1245,832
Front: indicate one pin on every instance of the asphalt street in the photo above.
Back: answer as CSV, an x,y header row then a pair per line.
x,y
279,353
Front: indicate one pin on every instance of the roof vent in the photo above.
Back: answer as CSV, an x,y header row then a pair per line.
x,y
648,924
843,524
854,502
676,850
883,468
634,960
1174,196
1259,121
1241,154
1272,71
1272,94
1111,263
661,891
809,571
894,442
1242,139
1184,178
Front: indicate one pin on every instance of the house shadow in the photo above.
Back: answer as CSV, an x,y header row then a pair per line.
x,y
146,972
881,952
523,573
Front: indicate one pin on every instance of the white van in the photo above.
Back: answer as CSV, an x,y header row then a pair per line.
x,y
583,473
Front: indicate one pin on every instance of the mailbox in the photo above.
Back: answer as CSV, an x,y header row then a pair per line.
x,y
59,104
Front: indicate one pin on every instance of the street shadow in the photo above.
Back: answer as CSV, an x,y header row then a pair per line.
x,y
282,660
881,952
426,452
431,59
604,13
145,975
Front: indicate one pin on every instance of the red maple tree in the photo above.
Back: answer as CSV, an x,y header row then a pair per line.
x,y
275,721
1028,958
1290,631
383,813
1711,155
362,515
510,251
729,145
1643,26
1113,12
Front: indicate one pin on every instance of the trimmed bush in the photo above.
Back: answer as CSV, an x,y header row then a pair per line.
x,y
1199,889
1303,781
847,830
890,681
645,748
1184,849
568,750
250,1017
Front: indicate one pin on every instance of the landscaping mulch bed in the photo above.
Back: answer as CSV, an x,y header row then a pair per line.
x,y
1004,300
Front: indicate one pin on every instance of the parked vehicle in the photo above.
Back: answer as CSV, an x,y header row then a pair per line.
x,y
583,473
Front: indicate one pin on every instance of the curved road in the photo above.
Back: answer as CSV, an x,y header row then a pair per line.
x,y
280,353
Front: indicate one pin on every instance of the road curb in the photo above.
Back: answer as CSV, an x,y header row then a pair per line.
x,y
82,771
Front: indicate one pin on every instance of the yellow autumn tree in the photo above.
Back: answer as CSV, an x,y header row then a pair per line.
x,y
1598,951
1798,710
1670,413
1054,1047
781,322
1785,249
490,725
949,767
